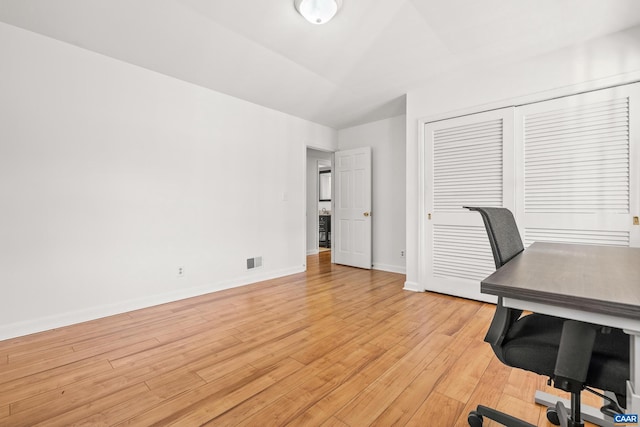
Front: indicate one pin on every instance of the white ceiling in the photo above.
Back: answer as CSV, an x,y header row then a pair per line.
x,y
354,69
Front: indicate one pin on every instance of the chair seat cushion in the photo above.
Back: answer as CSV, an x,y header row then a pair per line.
x,y
532,344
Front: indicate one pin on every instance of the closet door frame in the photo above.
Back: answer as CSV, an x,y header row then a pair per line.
x,y
515,185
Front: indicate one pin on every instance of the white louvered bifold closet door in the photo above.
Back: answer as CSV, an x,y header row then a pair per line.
x,y
577,162
468,162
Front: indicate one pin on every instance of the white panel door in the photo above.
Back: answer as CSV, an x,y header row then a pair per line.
x,y
468,162
352,208
577,166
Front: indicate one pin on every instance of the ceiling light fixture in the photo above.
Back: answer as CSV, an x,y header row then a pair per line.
x,y
318,11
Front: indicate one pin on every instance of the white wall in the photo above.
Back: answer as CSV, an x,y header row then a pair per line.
x,y
112,176
313,205
387,138
606,61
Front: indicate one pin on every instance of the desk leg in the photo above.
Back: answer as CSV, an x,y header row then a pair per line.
x,y
633,394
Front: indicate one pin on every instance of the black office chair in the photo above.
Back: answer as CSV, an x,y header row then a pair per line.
x,y
574,354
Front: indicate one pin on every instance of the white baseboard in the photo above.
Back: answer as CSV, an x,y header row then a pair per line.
x,y
17,329
390,268
313,252
464,288
413,286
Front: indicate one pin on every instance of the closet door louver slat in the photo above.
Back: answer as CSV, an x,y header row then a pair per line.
x,y
585,237
576,159
462,252
467,166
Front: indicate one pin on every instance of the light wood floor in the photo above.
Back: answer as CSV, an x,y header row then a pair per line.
x,y
335,346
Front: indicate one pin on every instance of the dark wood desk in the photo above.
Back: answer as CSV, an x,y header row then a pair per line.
x,y
597,284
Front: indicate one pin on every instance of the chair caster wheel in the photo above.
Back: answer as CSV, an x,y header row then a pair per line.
x,y
474,419
552,416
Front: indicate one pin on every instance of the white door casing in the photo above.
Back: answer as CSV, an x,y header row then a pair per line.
x,y
352,214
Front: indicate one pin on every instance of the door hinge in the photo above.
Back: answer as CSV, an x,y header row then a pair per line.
x,y
636,220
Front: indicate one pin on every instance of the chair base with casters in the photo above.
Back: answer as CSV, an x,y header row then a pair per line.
x,y
599,416
554,416
574,354
476,418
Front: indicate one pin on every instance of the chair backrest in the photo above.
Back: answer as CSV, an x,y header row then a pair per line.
x,y
506,243
503,233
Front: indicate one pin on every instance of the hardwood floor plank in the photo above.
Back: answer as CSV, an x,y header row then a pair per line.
x,y
148,328
477,325
488,390
463,316
436,410
333,346
402,409
526,410
48,405
315,348
150,355
337,398
67,397
465,374
374,399
211,406
521,386
74,416
254,354
178,379
118,414
30,357
62,376
334,422
39,368
180,404
303,388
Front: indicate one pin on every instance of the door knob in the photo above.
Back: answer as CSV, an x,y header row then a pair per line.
x,y
367,214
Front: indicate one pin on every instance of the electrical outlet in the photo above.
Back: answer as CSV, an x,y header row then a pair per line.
x,y
401,254
180,271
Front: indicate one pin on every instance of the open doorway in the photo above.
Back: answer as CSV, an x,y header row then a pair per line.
x,y
319,201
324,205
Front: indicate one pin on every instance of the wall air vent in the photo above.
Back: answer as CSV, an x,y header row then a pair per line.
x,y
254,262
